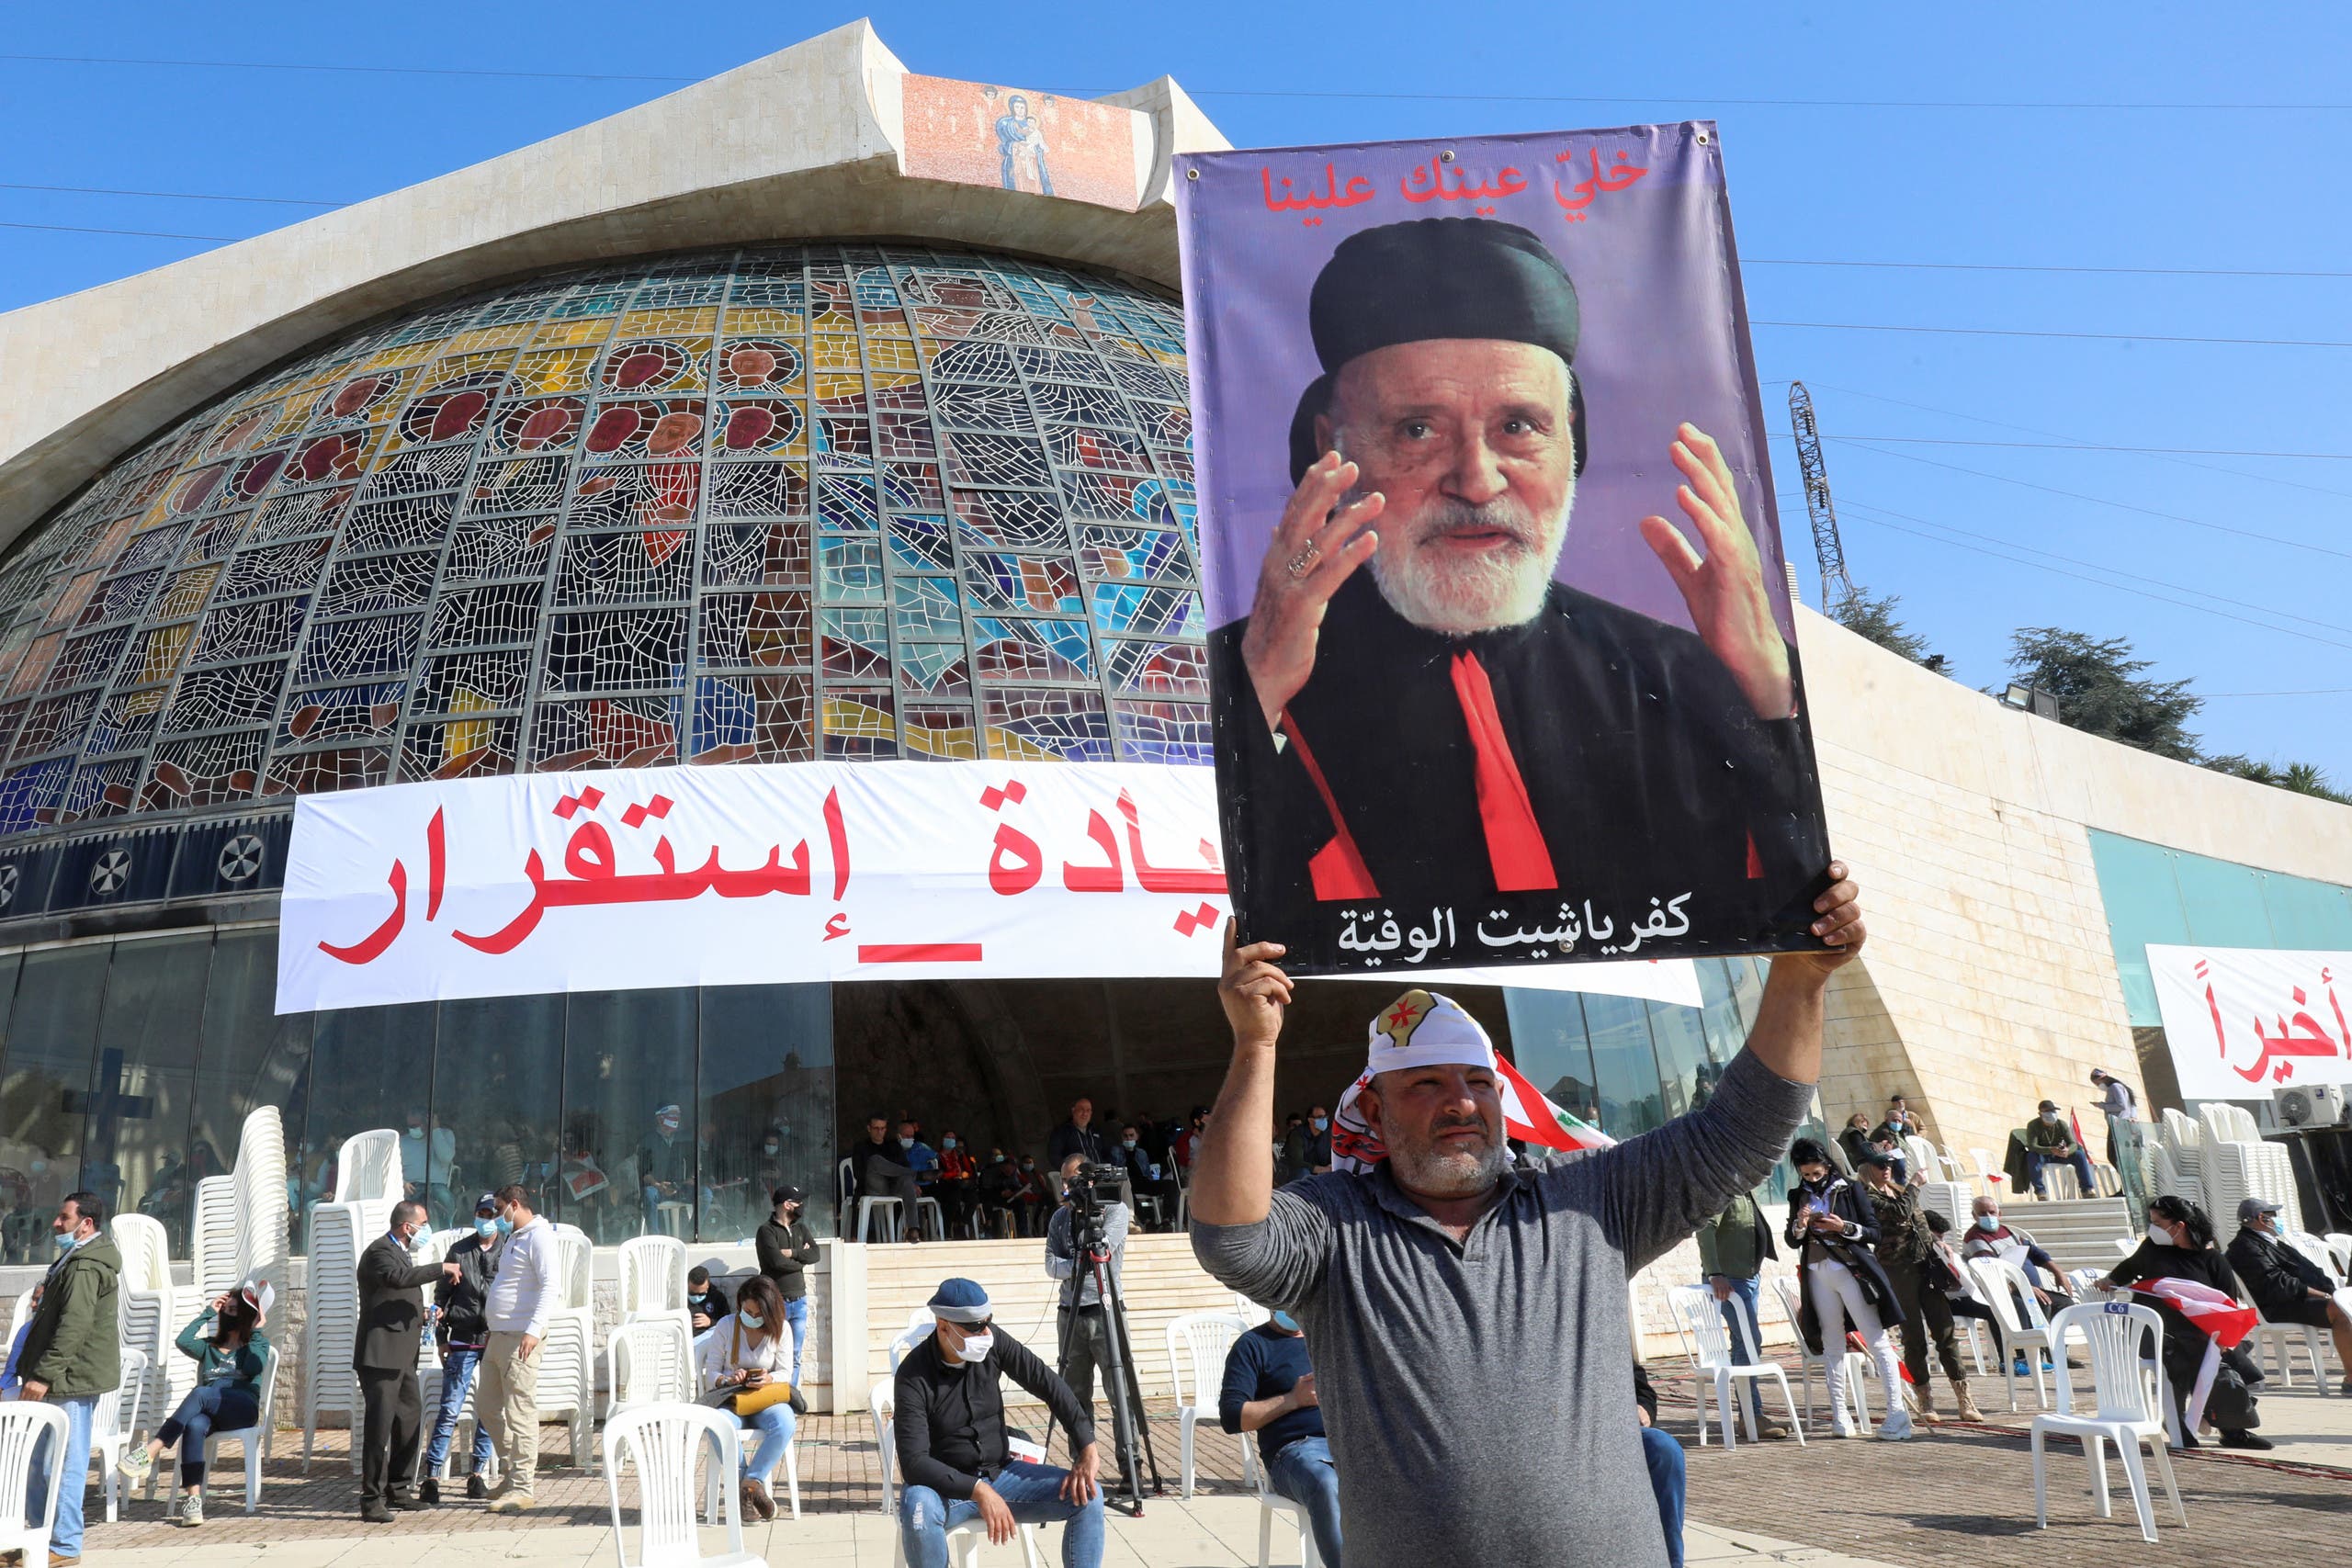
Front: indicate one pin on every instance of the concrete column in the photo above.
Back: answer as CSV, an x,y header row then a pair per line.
x,y
846,1274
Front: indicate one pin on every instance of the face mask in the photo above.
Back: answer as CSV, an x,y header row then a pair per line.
x,y
1028,1164
485,1228
1286,1323
1988,1221
767,1148
505,1225
752,1320
976,1347
2161,1237
1127,1143
2050,1118
946,1142
1319,1122
65,1241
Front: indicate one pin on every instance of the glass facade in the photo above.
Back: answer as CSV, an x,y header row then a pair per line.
x,y
130,1065
1627,1066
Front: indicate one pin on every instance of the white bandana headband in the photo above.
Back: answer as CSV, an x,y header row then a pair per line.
x,y
1426,1029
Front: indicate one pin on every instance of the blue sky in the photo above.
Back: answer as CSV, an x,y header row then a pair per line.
x,y
2241,564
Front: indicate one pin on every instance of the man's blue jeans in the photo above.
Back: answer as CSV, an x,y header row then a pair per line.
x,y
1664,1456
1033,1493
66,1538
458,1369
2081,1160
1301,1470
1748,1337
795,1312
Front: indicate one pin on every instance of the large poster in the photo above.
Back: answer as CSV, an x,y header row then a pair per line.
x,y
2242,1021
751,875
1502,647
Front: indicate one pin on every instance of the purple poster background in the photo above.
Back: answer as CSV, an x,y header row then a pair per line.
x,y
1664,334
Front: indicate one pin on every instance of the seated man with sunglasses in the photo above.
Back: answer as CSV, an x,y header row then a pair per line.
x,y
956,1460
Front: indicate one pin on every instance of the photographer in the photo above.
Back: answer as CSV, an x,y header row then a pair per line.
x,y
1086,1328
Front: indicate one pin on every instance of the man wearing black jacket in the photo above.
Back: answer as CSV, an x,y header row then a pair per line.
x,y
955,1461
787,1251
464,1335
391,1326
2286,1286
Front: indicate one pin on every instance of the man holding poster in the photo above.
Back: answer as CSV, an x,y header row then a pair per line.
x,y
1433,743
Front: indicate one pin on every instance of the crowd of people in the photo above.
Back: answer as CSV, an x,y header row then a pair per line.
x,y
1013,1193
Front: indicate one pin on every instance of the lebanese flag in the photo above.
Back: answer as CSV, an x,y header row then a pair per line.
x,y
2224,1321
2074,1118
1532,1117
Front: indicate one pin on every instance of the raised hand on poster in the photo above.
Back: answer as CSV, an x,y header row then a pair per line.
x,y
1726,590
1315,549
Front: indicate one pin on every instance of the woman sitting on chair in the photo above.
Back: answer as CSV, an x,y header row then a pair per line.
x,y
2180,1247
227,1396
751,1352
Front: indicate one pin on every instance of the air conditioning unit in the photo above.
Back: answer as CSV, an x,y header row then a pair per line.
x,y
2309,1105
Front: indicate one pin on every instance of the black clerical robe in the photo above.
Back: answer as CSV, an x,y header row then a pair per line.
x,y
1654,786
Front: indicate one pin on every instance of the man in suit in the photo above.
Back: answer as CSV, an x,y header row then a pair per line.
x,y
1451,728
391,1325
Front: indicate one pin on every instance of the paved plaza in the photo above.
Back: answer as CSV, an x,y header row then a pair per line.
x,y
1957,1495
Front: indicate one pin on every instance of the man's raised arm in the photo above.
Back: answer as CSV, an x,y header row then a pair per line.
x,y
1233,1173
1787,1036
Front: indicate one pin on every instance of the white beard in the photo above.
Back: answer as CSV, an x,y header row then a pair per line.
x,y
1498,588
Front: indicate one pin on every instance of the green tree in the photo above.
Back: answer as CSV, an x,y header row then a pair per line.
x,y
2102,689
1874,618
2302,778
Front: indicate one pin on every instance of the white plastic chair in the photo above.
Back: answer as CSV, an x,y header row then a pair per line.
x,y
663,1443
1858,1368
1270,1502
2121,1337
2283,1339
2024,1327
1996,1181
2339,1254
650,1361
867,1208
1697,1310
2316,1249
653,1278
112,1426
1198,1344
23,1427
922,1326
963,1542
253,1440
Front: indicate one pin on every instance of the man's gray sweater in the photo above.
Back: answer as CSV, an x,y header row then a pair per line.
x,y
1479,1394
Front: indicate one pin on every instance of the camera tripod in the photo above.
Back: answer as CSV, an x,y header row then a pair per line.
x,y
1131,1434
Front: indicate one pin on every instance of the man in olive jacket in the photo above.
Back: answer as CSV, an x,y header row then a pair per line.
x,y
72,1357
1732,1249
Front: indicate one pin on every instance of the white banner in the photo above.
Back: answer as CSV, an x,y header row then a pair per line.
x,y
2241,1021
751,875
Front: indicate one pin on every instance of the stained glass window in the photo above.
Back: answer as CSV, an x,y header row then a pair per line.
x,y
762,504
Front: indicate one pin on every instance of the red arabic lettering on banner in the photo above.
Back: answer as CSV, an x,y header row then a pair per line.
x,y
765,874
1442,180
2241,1021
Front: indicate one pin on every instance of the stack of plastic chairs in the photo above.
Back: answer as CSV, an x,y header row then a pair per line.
x,y
2227,1123
568,1355
367,1185
150,1311
653,1279
258,1199
2184,1140
216,1235
2238,1170
1953,1200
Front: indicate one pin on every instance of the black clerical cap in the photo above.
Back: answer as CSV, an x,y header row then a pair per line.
x,y
1435,278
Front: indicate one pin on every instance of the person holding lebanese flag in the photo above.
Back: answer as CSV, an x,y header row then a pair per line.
x,y
2185,1277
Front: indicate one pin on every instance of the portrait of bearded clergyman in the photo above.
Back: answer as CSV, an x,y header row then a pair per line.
x,y
1415,713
